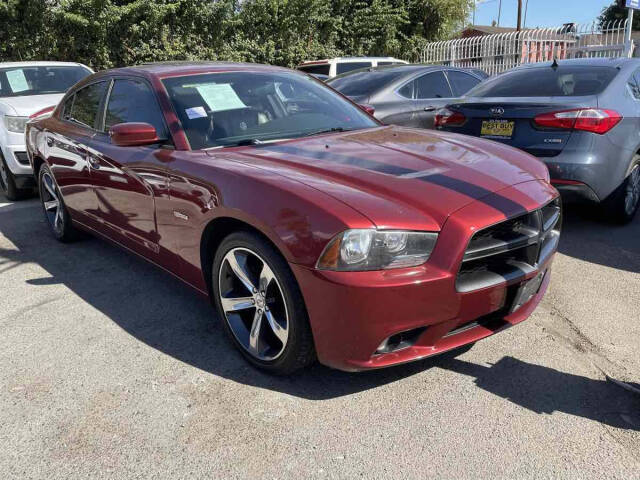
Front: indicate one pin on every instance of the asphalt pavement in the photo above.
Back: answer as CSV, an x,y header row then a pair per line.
x,y
110,368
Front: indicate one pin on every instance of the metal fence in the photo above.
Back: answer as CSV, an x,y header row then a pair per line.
x,y
497,53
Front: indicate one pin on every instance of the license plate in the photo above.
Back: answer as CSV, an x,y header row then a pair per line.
x,y
527,290
497,128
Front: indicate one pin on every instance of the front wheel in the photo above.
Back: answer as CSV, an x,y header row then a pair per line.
x,y
624,202
260,304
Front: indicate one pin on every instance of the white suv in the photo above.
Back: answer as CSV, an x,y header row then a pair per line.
x,y
26,89
331,67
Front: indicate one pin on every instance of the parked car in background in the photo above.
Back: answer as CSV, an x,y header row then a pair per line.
x,y
316,231
26,89
337,66
407,95
581,117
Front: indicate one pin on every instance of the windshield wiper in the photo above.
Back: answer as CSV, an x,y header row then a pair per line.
x,y
245,142
327,130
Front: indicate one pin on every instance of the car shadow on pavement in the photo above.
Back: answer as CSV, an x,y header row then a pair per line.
x,y
545,390
166,315
588,235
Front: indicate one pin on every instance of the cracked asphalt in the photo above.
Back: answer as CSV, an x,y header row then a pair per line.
x,y
110,368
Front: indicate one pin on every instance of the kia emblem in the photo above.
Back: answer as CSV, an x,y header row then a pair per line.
x,y
497,111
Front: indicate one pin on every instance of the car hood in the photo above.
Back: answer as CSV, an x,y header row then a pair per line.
x,y
29,104
399,177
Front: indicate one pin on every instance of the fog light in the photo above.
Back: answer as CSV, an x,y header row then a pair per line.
x,y
400,341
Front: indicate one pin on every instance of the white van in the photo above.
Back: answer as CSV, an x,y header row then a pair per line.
x,y
335,66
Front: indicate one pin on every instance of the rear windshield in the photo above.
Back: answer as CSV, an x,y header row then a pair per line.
x,y
364,83
564,81
344,67
322,69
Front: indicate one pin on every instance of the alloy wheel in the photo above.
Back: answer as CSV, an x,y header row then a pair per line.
x,y
632,196
253,303
51,203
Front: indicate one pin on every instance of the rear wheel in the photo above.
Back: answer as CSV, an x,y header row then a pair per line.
x,y
53,206
8,183
260,304
624,202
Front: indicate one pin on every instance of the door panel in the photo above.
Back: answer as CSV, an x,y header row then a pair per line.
x,y
68,149
67,159
126,181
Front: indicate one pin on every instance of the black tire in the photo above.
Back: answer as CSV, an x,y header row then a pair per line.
x,y
60,227
298,351
622,205
8,183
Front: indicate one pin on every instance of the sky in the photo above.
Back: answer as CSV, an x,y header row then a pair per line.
x,y
540,13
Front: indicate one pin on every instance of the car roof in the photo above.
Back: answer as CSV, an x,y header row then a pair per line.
x,y
40,64
587,62
173,69
347,59
408,69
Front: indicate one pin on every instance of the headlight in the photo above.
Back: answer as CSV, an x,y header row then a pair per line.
x,y
359,250
16,124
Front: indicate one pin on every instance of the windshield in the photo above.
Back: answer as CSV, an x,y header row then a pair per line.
x,y
564,81
365,82
227,109
22,81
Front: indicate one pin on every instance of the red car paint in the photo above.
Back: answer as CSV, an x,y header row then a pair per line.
x,y
301,193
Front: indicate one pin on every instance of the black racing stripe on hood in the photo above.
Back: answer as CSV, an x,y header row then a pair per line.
x,y
495,200
342,159
505,205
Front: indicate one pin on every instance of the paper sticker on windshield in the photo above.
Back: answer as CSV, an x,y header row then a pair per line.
x,y
17,81
219,96
195,112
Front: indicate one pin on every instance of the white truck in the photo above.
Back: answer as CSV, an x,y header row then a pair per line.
x,y
28,89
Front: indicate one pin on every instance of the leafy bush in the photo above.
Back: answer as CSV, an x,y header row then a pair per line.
x,y
110,33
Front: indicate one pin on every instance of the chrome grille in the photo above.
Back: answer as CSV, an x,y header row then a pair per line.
x,y
510,249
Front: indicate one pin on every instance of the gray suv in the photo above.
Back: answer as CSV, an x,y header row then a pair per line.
x,y
581,117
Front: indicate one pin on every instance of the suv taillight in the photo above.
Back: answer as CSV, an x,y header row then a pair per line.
x,y
588,119
446,117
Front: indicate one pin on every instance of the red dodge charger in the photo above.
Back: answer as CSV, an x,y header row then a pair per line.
x,y
317,232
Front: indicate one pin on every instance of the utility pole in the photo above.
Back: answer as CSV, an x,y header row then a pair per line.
x,y
627,33
526,7
519,15
499,11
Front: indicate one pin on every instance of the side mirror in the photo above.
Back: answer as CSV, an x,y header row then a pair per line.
x,y
133,134
368,108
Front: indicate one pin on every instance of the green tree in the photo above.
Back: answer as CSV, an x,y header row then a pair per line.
x,y
110,33
614,13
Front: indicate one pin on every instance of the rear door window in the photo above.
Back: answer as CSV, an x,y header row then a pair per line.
x,y
564,81
84,109
134,101
461,82
343,67
432,85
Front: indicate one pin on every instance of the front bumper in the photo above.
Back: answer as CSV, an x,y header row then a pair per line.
x,y
16,158
352,313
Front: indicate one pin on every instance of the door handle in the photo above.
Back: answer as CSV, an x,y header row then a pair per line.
x,y
430,108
